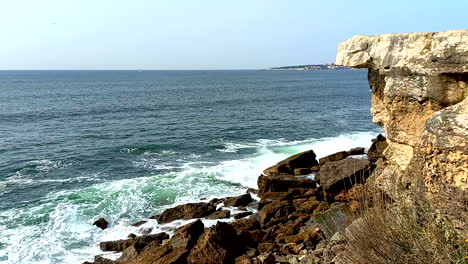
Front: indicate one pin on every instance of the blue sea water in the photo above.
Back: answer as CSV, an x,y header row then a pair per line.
x,y
124,145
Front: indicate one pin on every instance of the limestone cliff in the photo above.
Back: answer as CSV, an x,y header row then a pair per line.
x,y
419,87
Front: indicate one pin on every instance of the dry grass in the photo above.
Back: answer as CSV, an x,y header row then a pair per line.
x,y
404,230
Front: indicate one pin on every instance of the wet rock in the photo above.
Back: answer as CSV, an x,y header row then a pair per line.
x,y
139,223
375,152
186,212
101,223
242,215
131,236
283,183
356,151
241,200
342,175
216,201
333,157
217,245
252,190
138,242
221,214
304,159
175,251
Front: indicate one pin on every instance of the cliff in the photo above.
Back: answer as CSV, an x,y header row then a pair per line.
x,y
419,85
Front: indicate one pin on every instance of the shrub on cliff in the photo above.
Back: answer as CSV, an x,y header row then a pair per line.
x,y
405,230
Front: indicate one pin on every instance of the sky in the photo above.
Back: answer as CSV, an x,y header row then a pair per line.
x,y
202,34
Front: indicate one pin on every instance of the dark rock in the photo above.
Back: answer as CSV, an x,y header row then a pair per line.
x,y
252,190
356,151
246,224
216,201
176,250
186,212
139,223
131,236
311,234
217,245
242,215
304,159
139,242
128,254
101,223
315,168
266,247
342,175
333,157
221,214
283,183
155,217
241,200
379,144
302,171
277,209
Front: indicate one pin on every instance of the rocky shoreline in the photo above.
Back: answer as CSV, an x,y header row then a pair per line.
x,y
302,203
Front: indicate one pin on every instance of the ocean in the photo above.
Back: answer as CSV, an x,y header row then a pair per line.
x,y
125,145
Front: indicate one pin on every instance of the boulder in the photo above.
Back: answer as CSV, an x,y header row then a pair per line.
x,y
101,223
138,242
139,223
379,144
220,214
175,251
333,157
242,215
246,224
342,175
283,183
276,209
302,171
304,159
186,212
356,151
217,245
241,200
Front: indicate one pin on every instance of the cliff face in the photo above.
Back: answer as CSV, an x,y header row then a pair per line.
x,y
419,87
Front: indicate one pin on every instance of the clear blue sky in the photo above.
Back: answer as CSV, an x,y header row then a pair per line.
x,y
202,34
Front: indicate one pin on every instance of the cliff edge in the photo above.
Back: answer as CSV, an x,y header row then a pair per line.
x,y
419,85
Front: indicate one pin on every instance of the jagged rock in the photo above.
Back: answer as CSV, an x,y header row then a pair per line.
x,y
220,214
341,175
241,200
242,215
101,223
304,159
266,247
246,224
216,201
217,245
275,209
138,242
283,183
333,157
186,212
315,168
312,234
131,236
252,190
129,253
175,251
375,152
356,151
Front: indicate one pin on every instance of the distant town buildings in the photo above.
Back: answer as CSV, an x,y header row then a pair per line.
x,y
330,66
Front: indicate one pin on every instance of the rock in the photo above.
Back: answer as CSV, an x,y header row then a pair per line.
x,y
138,242
266,258
275,209
332,220
101,223
216,201
241,200
302,171
217,245
308,206
252,190
341,175
304,159
333,157
242,215
375,152
175,251
356,151
139,223
246,224
131,236
283,183
186,212
129,253
220,214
